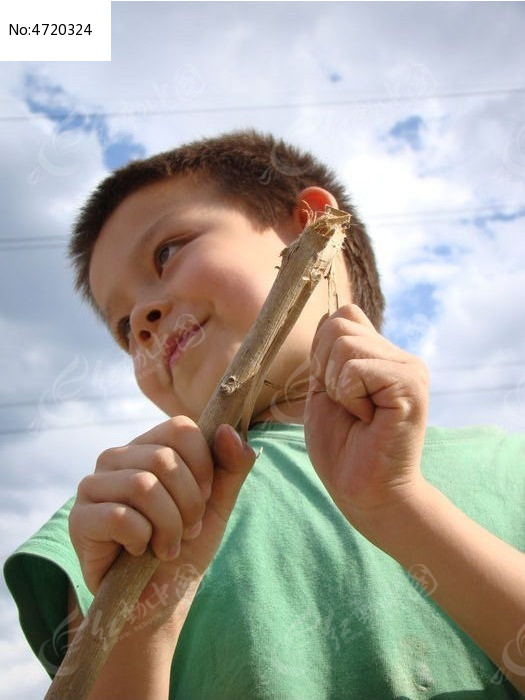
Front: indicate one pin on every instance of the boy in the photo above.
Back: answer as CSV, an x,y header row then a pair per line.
x,y
341,569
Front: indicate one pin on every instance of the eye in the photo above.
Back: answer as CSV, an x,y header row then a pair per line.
x,y
165,252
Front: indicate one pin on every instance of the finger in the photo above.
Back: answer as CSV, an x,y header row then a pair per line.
x,y
322,320
348,347
184,437
348,389
233,461
144,493
353,312
167,465
337,325
97,532
130,456
366,384
350,312
109,522
339,343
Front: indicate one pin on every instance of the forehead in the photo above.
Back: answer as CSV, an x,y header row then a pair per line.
x,y
139,217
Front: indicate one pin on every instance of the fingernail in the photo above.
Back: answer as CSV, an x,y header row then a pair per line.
x,y
241,444
174,552
192,532
322,319
237,437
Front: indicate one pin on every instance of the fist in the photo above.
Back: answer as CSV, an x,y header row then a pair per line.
x,y
365,414
165,490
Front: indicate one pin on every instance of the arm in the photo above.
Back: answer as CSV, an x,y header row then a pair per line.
x,y
374,396
162,490
479,579
140,662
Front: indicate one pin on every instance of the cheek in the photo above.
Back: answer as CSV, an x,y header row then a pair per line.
x,y
243,292
237,289
146,366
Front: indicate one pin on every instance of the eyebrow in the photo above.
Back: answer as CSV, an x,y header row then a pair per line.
x,y
142,244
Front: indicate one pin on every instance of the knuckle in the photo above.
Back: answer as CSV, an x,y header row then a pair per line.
x,y
337,325
118,520
162,460
102,460
181,422
344,347
351,366
119,517
84,486
348,310
142,483
194,509
413,408
405,406
105,459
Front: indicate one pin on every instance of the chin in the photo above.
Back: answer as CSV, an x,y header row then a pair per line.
x,y
163,403
172,408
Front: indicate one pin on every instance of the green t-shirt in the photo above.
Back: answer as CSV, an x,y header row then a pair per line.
x,y
297,605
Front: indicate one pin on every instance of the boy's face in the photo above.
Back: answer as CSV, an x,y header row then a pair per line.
x,y
181,276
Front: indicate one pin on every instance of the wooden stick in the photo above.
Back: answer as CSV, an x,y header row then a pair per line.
x,y
304,263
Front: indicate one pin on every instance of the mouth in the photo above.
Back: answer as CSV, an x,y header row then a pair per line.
x,y
181,340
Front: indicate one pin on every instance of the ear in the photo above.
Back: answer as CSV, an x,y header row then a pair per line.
x,y
311,199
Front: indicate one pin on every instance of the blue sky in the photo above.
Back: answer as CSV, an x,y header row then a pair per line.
x,y
423,122
409,131
49,99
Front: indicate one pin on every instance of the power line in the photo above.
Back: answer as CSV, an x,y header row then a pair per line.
x,y
472,368
432,212
474,390
35,402
90,424
30,239
33,242
36,430
402,218
81,399
286,105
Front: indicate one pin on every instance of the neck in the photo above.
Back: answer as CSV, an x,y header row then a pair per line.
x,y
282,412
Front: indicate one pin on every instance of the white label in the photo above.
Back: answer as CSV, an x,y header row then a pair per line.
x,y
31,30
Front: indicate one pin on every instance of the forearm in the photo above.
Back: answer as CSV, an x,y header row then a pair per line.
x,y
138,667
139,664
479,579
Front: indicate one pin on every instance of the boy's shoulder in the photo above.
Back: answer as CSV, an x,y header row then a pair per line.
x,y
474,436
483,449
481,469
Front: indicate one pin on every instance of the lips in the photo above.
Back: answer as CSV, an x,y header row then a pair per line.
x,y
180,340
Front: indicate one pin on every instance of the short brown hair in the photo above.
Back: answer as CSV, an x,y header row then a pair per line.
x,y
260,174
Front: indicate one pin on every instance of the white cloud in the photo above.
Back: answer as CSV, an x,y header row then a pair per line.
x,y
22,678
481,326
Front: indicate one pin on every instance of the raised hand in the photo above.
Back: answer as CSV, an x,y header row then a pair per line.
x,y
365,416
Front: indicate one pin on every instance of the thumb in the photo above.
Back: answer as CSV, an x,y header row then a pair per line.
x,y
233,460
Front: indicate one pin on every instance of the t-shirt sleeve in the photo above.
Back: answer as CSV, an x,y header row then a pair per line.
x,y
38,574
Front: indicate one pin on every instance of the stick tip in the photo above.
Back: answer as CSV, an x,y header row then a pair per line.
x,y
338,214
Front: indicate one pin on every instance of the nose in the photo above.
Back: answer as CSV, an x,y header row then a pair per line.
x,y
145,320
